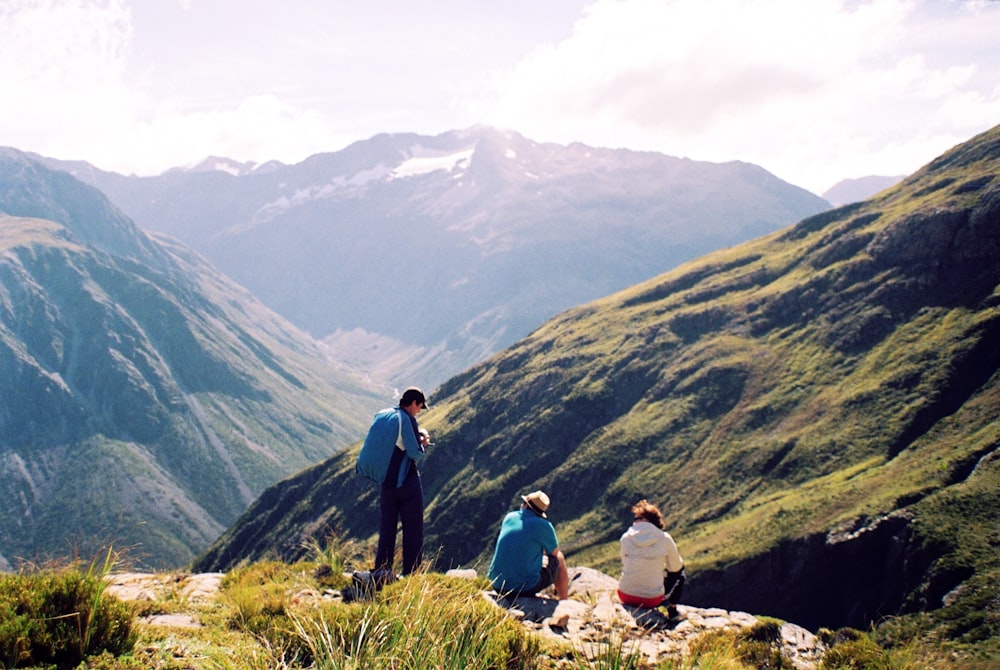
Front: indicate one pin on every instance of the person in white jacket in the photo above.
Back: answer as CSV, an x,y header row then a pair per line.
x,y
652,567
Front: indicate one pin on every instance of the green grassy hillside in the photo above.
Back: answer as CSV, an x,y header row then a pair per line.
x,y
779,400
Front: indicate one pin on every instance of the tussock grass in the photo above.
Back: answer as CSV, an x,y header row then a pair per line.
x,y
422,621
274,616
57,616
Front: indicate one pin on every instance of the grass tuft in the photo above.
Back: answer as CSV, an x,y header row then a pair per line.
x,y
58,617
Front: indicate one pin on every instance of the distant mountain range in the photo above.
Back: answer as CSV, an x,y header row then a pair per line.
x,y
419,256
228,166
855,190
145,399
815,411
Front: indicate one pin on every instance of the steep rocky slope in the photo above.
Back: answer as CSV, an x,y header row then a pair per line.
x,y
145,400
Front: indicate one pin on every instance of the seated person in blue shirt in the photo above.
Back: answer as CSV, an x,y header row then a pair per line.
x,y
527,558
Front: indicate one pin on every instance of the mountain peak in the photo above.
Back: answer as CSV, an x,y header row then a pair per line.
x,y
553,225
228,166
861,188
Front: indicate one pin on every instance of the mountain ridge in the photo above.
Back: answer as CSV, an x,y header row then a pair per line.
x,y
501,232
857,189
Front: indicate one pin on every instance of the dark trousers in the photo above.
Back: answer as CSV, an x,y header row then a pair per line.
x,y
403,505
673,586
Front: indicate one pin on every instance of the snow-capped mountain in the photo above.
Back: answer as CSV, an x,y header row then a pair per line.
x,y
453,246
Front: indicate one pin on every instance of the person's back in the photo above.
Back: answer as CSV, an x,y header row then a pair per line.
x,y
644,549
527,558
524,538
389,455
652,568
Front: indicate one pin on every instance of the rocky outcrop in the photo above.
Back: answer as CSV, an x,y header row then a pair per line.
x,y
593,618
844,579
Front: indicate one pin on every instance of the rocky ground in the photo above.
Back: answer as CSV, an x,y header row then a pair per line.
x,y
593,615
591,618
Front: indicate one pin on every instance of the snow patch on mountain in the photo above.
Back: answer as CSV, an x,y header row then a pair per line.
x,y
225,166
220,164
425,161
338,186
363,177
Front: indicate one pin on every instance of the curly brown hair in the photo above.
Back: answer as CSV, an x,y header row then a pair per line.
x,y
647,511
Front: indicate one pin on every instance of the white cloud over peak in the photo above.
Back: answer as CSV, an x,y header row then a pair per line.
x,y
815,91
80,94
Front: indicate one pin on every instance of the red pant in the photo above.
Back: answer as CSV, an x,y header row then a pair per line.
x,y
636,601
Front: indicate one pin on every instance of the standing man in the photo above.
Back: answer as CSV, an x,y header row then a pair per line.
x,y
527,558
389,456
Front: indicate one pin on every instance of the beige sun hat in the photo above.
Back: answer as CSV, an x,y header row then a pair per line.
x,y
537,501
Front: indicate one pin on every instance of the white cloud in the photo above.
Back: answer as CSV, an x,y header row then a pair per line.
x,y
61,69
79,95
813,91
260,126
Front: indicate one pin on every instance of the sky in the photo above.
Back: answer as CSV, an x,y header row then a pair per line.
x,y
813,91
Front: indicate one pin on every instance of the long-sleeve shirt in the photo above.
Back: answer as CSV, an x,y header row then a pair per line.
x,y
646,551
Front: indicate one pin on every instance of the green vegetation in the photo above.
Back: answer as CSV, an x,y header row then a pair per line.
x,y
960,522
147,399
278,616
59,617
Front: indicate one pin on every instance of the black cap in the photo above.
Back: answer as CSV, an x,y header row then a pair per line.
x,y
413,394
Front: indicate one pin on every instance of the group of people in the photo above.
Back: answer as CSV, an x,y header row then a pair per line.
x,y
527,558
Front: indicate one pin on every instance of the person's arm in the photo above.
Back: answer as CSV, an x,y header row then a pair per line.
x,y
673,558
408,436
562,575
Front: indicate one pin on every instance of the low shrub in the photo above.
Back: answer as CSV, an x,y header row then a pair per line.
x,y
851,649
862,654
425,620
758,646
60,617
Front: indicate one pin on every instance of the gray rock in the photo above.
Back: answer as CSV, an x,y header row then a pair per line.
x,y
593,618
